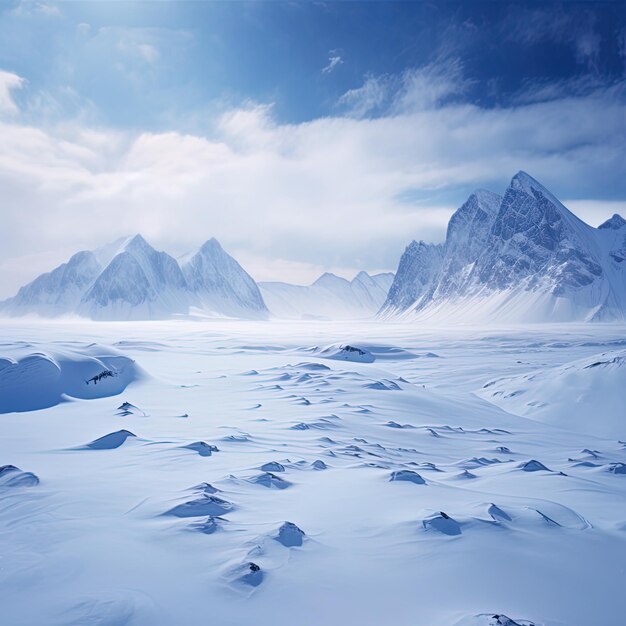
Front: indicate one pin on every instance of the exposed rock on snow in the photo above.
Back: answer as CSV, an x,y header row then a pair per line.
x,y
249,574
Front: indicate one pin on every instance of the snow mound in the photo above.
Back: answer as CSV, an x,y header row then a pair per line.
x,y
289,535
442,523
271,481
208,526
110,441
408,476
207,505
39,380
249,574
586,395
11,476
273,466
202,448
345,352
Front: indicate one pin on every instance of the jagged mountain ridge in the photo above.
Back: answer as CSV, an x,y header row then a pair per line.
x,y
517,258
329,297
130,280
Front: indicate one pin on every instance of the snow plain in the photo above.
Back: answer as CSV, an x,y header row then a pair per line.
x,y
234,475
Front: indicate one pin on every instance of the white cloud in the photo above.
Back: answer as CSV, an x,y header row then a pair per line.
x,y
333,62
8,83
28,8
333,193
415,89
367,99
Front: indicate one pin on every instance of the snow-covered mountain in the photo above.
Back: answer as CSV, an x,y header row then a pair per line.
x,y
138,283
520,257
218,283
329,297
130,280
56,292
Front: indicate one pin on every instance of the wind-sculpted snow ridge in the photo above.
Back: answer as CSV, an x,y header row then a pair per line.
x,y
130,280
587,395
522,257
349,493
37,380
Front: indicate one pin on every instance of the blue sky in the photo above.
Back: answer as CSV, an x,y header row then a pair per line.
x,y
304,136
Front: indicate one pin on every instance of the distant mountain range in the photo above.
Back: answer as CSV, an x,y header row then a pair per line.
x,y
329,297
130,280
522,257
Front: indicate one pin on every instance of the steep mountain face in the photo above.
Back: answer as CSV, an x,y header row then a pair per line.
x,y
523,257
467,237
130,280
420,265
329,297
56,292
218,283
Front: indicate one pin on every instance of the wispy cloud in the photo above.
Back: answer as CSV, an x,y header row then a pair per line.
x,y
333,61
415,89
8,83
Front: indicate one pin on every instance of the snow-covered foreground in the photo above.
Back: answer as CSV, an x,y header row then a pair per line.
x,y
265,473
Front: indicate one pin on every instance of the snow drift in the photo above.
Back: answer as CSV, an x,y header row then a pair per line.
x,y
587,395
38,380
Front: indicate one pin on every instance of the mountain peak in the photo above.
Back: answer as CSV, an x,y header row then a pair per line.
x,y
362,276
613,223
525,183
328,278
135,243
211,245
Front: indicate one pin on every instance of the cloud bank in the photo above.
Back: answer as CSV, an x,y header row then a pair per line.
x,y
343,192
